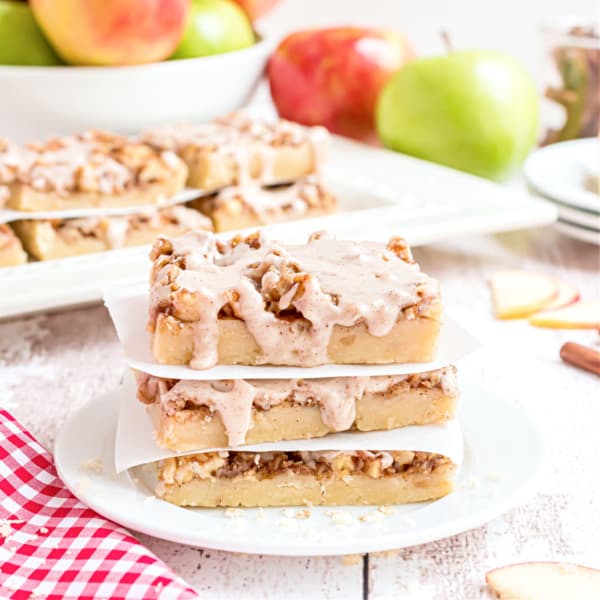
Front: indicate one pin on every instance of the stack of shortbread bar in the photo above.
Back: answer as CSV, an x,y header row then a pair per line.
x,y
245,172
253,301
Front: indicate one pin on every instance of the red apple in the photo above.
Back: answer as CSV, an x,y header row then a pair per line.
x,y
112,32
256,8
332,77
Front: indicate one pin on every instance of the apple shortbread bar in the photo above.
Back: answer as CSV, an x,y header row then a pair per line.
x,y
253,301
238,148
59,238
248,206
249,479
194,415
92,169
11,250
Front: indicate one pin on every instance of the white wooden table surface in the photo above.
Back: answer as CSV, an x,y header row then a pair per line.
x,y
51,365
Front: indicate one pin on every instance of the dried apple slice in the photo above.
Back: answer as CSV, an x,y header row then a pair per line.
x,y
518,293
544,581
567,294
581,315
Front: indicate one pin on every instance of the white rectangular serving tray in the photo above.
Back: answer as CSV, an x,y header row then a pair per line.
x,y
381,193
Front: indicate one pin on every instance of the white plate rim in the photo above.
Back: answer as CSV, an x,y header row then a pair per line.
x,y
534,167
153,518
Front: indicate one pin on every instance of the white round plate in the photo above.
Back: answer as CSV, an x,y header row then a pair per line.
x,y
502,458
578,233
562,171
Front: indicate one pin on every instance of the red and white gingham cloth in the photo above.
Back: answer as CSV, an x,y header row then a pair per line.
x,y
54,547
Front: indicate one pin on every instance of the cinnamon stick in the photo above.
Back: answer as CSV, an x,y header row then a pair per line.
x,y
581,356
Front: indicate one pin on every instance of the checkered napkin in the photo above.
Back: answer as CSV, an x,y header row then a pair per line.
x,y
53,547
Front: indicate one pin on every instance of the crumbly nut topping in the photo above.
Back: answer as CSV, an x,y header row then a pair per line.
x,y
276,133
266,284
224,133
93,161
322,465
234,400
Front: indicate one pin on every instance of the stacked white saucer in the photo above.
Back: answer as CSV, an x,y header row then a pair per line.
x,y
568,175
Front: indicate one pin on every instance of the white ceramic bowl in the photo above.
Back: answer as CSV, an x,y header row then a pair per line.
x,y
36,102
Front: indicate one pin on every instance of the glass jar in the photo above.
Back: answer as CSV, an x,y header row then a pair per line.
x,y
570,80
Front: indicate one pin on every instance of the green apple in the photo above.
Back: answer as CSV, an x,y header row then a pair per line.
x,y
21,40
213,27
473,111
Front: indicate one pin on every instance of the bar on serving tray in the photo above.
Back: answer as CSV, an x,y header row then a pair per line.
x,y
248,206
231,478
253,301
194,415
11,250
91,169
59,238
238,148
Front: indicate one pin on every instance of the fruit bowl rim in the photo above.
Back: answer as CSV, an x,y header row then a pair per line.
x,y
261,44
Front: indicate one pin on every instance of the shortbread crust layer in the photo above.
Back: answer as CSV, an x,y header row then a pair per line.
x,y
193,415
252,301
11,250
409,341
245,207
305,478
60,238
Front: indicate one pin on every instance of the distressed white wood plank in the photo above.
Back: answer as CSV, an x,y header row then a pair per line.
x,y
224,575
521,363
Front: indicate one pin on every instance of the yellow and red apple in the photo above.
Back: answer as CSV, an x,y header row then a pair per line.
x,y
112,32
332,77
256,8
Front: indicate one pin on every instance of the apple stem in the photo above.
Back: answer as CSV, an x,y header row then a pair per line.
x,y
446,41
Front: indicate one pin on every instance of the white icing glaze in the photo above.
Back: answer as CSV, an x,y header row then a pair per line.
x,y
328,282
115,232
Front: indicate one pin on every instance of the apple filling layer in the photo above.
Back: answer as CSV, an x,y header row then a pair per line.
x,y
192,415
92,169
254,301
238,148
11,250
50,239
247,206
304,478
